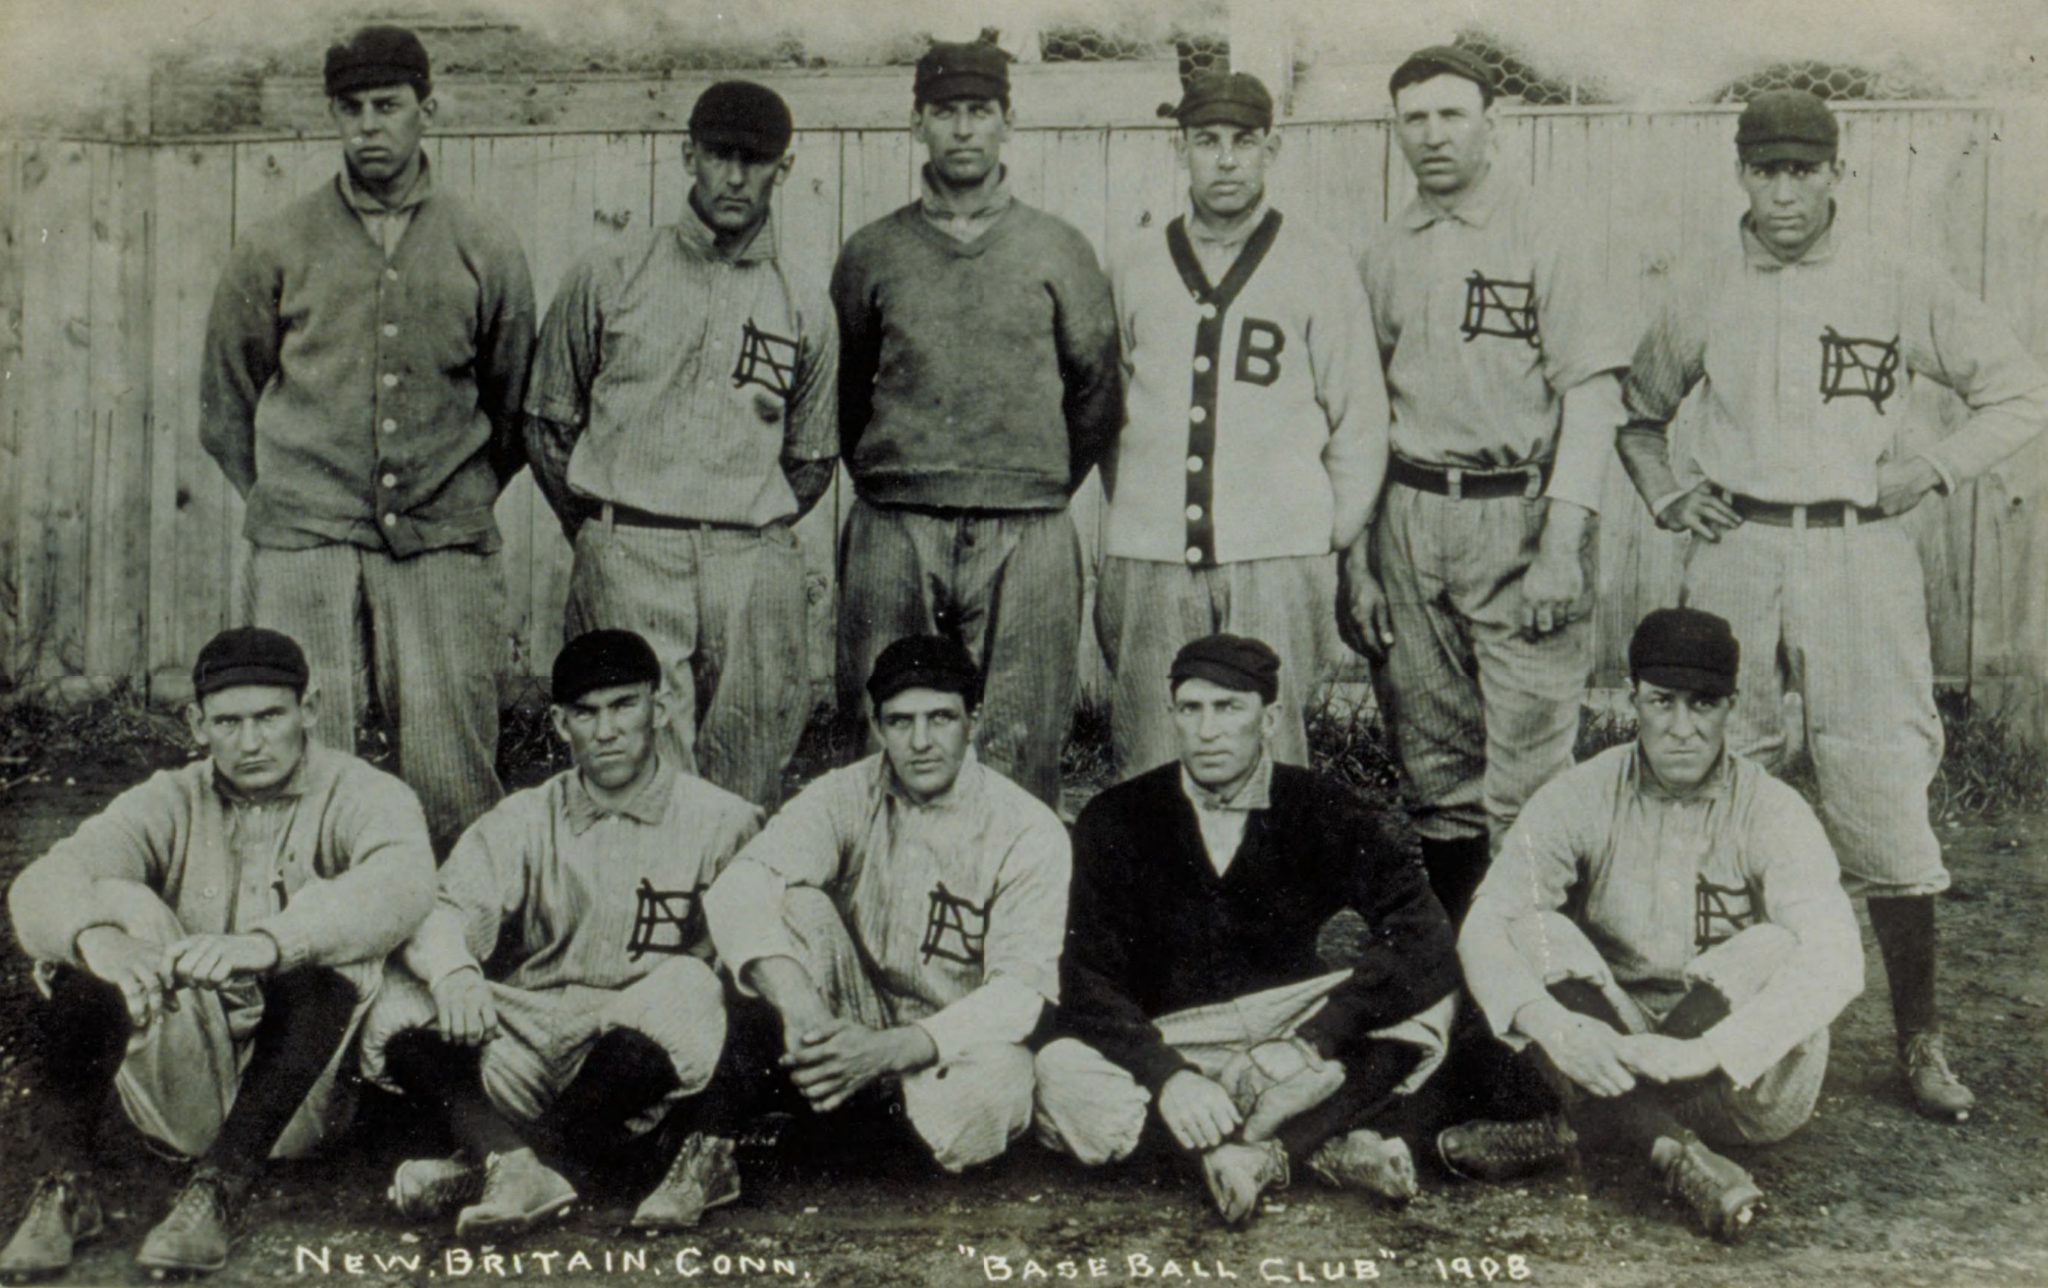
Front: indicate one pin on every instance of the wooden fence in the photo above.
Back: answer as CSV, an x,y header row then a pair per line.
x,y
120,544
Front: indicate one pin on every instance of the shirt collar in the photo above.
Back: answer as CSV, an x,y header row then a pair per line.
x,y
1254,793
1761,257
702,239
1718,781
1475,209
984,201
648,805
965,784
363,203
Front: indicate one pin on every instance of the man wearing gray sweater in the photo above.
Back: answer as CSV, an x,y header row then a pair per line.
x,y
978,385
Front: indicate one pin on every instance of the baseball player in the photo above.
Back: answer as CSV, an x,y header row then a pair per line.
x,y
1192,981
1798,334
206,946
902,916
1474,593
599,1009
978,385
1666,924
365,358
1227,502
680,422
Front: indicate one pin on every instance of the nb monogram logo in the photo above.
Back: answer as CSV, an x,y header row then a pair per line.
x,y
955,928
1856,368
1719,911
661,921
1495,306
766,359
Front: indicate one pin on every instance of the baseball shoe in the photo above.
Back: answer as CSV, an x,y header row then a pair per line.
x,y
702,1177
1237,1174
1291,1096
518,1190
1722,1195
1936,1091
1497,1151
62,1212
1365,1160
192,1239
423,1188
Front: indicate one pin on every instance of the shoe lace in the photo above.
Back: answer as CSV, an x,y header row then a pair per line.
x,y
1531,1141
1925,1054
58,1190
203,1200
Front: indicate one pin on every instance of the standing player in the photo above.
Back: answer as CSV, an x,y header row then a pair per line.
x,y
680,422
1475,600
903,918
1226,502
205,946
978,385
365,359
1789,486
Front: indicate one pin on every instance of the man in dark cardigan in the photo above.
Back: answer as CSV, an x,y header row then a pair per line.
x,y
1191,979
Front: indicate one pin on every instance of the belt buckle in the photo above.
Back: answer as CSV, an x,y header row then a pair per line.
x,y
1534,487
1454,483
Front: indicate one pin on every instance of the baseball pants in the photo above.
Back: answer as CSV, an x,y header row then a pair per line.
x,y
1841,615
1770,1109
1006,585
180,1078
1093,1110
1481,714
967,1110
1146,610
725,612
544,1036
429,632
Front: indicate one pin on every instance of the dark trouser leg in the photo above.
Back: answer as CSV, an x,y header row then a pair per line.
x,y
305,1018
437,1072
1906,939
1455,868
625,1073
1372,1070
83,1030
1630,1122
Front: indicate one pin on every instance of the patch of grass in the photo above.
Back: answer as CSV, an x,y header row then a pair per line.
x,y
117,728
1085,761
1990,768
1348,741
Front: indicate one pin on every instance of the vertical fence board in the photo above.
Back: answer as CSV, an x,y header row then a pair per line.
x,y
117,500
13,382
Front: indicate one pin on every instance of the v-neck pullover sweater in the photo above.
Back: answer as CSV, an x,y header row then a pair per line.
x,y
976,375
1152,928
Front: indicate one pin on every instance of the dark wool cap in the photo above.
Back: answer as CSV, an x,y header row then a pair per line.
x,y
1441,60
602,660
1233,661
973,70
378,56
1786,125
248,655
743,115
1225,98
925,662
1686,649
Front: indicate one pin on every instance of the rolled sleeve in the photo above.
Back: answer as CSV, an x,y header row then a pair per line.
x,y
1533,874
1964,345
803,845
57,898
380,888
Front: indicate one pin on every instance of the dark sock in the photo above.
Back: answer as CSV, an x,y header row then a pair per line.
x,y
1700,1009
305,1017
1455,868
440,1074
624,1074
83,1032
1371,1072
1906,939
1627,1123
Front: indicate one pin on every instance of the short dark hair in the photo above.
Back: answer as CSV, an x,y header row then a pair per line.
x,y
1441,60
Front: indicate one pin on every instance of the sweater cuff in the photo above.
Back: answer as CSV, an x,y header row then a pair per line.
x,y
1155,1064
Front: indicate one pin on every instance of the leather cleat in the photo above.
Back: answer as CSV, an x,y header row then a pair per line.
x,y
193,1237
1365,1160
1722,1196
1238,1175
62,1213
703,1176
423,1188
518,1190
1501,1151
1937,1092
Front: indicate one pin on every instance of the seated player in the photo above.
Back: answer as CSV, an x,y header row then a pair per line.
x,y
560,1000
206,946
1192,981
902,916
1666,924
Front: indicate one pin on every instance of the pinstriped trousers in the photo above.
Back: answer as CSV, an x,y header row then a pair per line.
x,y
1006,585
429,632
725,612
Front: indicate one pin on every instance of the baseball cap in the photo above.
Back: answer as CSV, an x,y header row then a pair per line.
x,y
1441,60
975,69
925,662
740,114
376,56
602,659
1686,649
1786,125
1224,98
249,655
1233,661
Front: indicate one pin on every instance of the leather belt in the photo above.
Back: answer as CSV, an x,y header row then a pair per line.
x,y
625,516
1469,485
1778,514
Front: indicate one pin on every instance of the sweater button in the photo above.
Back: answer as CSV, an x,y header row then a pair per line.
x,y
390,380
390,329
1194,554
390,425
390,520
1202,362
391,273
1196,414
1194,465
1194,514
1209,312
390,480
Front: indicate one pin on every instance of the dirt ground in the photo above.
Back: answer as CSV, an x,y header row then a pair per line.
x,y
1868,1193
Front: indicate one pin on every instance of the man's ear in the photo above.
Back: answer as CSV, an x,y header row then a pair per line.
x,y
309,704
1269,720
558,720
195,722
428,106
1272,146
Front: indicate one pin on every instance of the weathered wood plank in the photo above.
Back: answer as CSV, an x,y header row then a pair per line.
x,y
13,535
118,308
